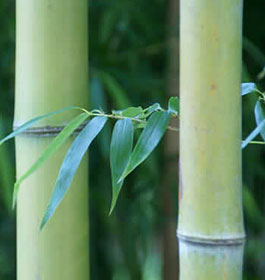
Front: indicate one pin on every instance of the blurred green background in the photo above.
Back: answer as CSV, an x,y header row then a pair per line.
x,y
134,61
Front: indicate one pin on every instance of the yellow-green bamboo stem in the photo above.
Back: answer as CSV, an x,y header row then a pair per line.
x,y
51,58
51,73
210,262
60,250
210,136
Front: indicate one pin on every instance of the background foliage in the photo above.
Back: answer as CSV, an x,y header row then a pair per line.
x,y
129,54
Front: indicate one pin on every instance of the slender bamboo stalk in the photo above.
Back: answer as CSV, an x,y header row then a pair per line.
x,y
210,137
51,73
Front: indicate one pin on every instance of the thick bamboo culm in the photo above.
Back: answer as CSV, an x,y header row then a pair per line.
x,y
210,124
210,262
51,73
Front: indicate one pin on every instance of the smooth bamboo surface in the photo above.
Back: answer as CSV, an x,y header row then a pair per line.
x,y
51,73
51,58
210,123
60,250
210,262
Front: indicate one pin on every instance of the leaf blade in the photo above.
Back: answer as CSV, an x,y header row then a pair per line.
x,y
120,150
253,134
50,150
71,163
260,116
148,140
31,122
132,112
247,88
173,105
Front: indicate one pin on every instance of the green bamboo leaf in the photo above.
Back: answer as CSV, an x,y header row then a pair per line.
x,y
151,109
30,123
260,116
253,134
71,163
50,150
247,88
148,140
132,112
173,105
120,151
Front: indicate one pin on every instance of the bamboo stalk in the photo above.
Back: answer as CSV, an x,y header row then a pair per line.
x,y
210,262
51,73
210,136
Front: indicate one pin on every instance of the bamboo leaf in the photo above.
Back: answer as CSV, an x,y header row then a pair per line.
x,y
132,112
253,134
148,140
50,150
30,123
151,109
173,105
247,88
120,151
260,116
71,163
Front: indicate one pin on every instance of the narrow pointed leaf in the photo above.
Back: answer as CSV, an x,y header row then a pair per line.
x,y
120,151
30,123
247,88
173,105
50,150
253,134
260,116
71,163
148,140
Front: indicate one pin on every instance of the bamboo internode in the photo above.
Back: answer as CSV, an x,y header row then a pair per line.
x,y
51,73
210,122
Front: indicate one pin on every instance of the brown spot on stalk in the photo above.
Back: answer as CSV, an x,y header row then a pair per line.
x,y
213,87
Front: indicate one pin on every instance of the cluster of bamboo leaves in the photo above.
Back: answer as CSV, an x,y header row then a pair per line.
x,y
124,158
154,121
259,112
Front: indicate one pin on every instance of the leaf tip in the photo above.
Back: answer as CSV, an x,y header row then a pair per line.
x,y
111,210
44,221
14,199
